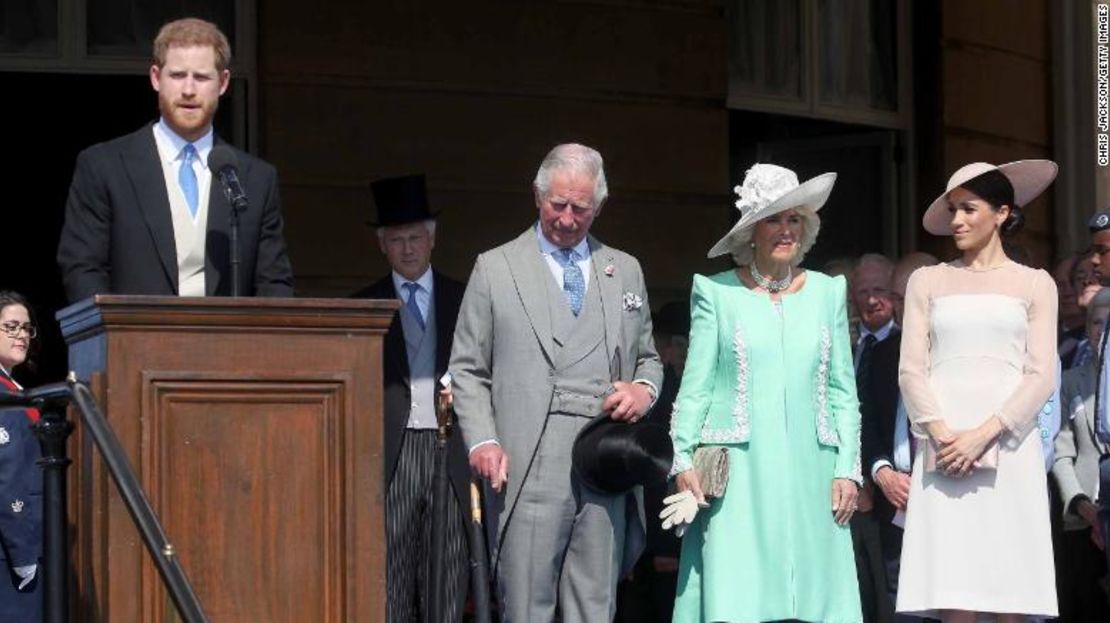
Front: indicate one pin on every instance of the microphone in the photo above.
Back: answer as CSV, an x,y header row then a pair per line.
x,y
223,162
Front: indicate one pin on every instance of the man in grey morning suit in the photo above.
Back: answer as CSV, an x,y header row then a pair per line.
x,y
554,329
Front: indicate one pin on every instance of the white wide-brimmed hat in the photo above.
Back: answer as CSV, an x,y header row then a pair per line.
x,y
769,189
1028,177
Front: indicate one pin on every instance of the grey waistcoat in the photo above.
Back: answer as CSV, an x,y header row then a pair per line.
x,y
582,373
420,346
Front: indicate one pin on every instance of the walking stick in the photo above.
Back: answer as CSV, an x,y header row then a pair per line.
x,y
441,499
476,534
479,558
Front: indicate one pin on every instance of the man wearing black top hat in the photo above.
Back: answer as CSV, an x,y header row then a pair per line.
x,y
415,353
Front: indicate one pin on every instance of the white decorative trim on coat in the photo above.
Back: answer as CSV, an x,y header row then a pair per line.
x,y
741,430
826,434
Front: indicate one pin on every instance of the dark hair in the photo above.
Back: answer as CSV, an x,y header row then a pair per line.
x,y
9,298
995,188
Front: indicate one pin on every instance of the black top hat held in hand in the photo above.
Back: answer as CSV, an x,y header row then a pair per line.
x,y
612,456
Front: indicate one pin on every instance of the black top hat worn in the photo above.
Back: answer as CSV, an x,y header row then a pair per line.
x,y
401,200
612,456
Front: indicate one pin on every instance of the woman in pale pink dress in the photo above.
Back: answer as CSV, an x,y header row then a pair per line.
x,y
978,362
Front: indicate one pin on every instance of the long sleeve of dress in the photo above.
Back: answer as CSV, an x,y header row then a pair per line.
x,y
1019,412
842,390
913,362
696,391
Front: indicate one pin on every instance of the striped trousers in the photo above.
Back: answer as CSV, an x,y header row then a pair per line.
x,y
408,533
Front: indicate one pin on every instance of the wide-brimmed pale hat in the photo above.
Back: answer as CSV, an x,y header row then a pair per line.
x,y
1028,177
769,189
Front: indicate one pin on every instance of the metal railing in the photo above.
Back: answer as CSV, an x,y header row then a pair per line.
x,y
53,429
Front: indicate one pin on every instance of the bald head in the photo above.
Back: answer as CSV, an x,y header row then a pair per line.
x,y
903,268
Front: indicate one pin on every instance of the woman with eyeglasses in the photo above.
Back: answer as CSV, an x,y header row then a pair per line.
x,y
20,476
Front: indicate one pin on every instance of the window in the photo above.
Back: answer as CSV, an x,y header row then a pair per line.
x,y
842,60
29,27
115,36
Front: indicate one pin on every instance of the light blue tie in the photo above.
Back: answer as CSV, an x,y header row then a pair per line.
x,y
573,283
187,178
414,309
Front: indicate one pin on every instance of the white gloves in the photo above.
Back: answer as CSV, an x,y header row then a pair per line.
x,y
26,573
679,511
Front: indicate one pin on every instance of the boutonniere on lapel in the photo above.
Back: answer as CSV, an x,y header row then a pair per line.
x,y
610,270
631,301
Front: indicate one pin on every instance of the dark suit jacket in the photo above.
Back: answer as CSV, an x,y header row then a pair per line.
x,y
446,297
118,232
20,513
878,409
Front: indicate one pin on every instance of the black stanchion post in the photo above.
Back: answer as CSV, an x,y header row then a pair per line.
x,y
53,429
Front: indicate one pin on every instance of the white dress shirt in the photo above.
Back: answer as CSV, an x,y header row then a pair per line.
x,y
423,293
880,334
169,155
548,248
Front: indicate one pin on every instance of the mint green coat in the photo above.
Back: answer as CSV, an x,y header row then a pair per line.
x,y
780,392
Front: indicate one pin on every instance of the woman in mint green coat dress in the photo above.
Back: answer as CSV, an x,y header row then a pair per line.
x,y
769,375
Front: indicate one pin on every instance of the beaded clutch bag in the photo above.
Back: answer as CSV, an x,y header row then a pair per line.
x,y
711,467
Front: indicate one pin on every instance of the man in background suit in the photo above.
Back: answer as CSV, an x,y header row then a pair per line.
x,y
870,287
1099,226
886,447
415,355
554,330
1080,563
145,214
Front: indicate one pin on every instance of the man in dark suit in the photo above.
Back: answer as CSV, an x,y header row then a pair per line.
x,y
886,438
870,290
1099,226
416,351
145,215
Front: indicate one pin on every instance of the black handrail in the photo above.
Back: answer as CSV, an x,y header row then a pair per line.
x,y
52,429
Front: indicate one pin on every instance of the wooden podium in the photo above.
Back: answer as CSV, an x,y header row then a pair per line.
x,y
254,426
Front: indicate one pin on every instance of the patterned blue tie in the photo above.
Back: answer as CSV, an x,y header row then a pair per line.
x,y
414,309
187,178
573,283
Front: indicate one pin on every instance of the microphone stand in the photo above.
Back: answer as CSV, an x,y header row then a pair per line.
x,y
237,205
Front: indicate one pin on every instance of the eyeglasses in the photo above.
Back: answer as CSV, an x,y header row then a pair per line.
x,y
12,329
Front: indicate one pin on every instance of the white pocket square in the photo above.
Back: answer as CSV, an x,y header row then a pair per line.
x,y
631,301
